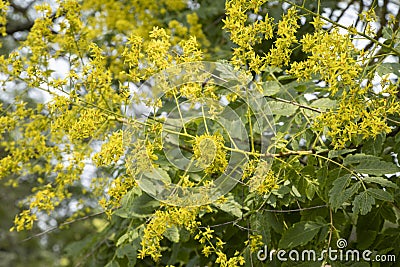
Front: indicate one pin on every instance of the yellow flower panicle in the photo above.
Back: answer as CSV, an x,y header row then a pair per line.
x,y
254,242
111,151
118,188
210,153
213,244
334,60
331,57
279,55
181,217
24,221
244,35
3,17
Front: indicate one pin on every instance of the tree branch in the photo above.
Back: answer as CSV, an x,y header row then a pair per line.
x,y
295,103
63,224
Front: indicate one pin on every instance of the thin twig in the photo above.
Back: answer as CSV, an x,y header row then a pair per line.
x,y
290,153
295,210
295,103
220,224
235,222
63,224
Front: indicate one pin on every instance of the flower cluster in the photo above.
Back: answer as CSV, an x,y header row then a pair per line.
x,y
156,53
118,188
286,36
263,179
210,153
3,18
111,151
213,244
254,242
24,221
356,117
332,58
245,35
161,221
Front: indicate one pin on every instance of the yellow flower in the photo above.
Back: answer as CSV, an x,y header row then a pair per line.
x,y
210,153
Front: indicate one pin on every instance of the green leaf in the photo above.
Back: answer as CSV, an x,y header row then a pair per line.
x,y
295,192
234,127
129,251
381,181
392,238
282,109
272,69
380,194
374,146
281,191
307,186
336,194
368,164
300,234
310,191
122,239
387,32
386,68
363,203
131,236
336,153
112,263
387,212
271,88
136,204
367,228
357,158
228,72
172,233
80,247
324,103
274,221
377,168
159,175
259,222
230,206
